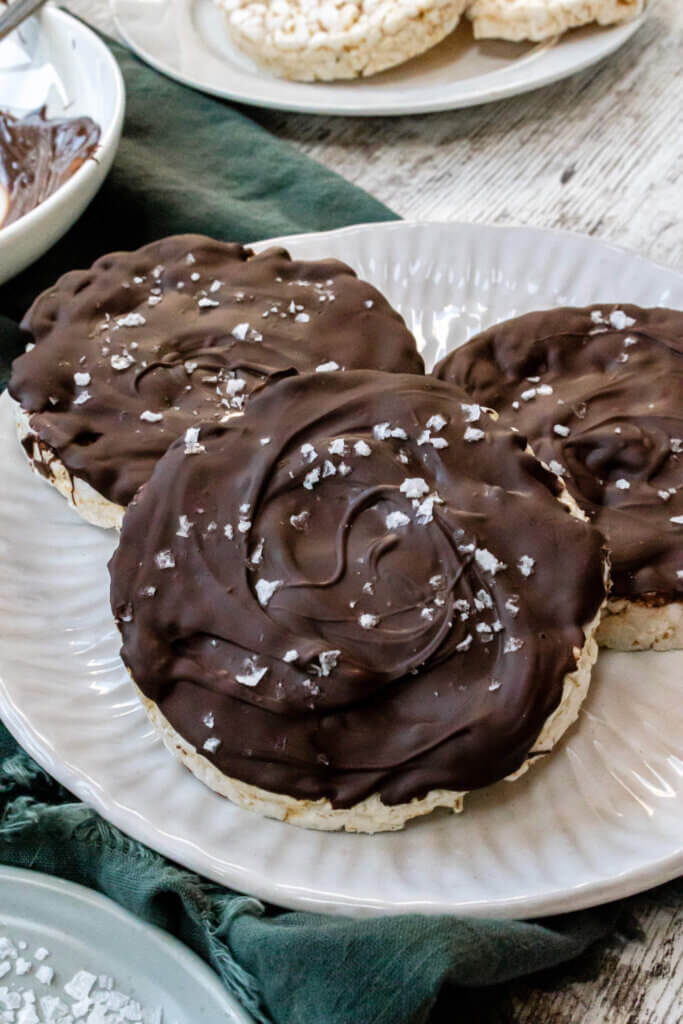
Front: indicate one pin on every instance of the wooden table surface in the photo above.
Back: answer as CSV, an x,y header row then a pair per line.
x,y
601,153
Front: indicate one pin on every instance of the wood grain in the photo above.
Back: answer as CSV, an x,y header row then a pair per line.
x,y
602,153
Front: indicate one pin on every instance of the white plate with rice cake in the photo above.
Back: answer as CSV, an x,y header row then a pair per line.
x,y
189,41
597,820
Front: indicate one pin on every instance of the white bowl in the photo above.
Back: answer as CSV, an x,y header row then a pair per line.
x,y
71,70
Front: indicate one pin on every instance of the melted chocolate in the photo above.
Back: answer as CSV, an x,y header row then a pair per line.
x,y
182,331
38,155
599,394
329,588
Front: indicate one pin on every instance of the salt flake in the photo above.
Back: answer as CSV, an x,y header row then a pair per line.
x,y
414,487
488,562
396,519
129,320
512,644
471,412
328,661
526,565
265,590
368,621
620,321
253,676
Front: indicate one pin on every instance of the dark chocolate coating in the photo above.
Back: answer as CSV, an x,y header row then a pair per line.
x,y
186,328
613,423
38,155
346,560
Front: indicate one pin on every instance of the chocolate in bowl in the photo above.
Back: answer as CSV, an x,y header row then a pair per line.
x,y
37,155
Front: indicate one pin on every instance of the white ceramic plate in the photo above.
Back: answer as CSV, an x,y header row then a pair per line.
x,y
85,931
188,40
601,818
54,60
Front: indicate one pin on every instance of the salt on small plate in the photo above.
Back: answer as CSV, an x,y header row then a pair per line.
x,y
90,939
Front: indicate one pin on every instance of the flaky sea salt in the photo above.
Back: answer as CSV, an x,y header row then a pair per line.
x,y
471,412
362,448
192,445
383,431
414,487
526,565
265,590
312,478
45,974
328,661
121,361
130,320
151,417
240,331
253,675
396,519
620,321
424,510
184,527
300,520
488,561
512,644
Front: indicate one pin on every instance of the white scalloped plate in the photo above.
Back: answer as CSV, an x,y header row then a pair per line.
x,y
601,818
188,40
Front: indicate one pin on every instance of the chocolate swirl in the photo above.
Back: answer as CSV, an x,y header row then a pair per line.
x,y
38,155
599,394
132,352
326,598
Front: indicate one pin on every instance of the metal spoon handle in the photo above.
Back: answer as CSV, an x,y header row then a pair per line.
x,y
17,12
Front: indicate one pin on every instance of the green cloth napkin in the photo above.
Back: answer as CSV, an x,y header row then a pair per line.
x,y
191,163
